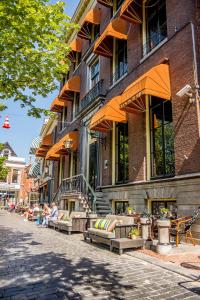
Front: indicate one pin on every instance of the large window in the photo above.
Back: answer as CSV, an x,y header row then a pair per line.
x,y
120,59
94,74
121,207
122,153
162,138
63,118
95,31
156,23
76,103
15,176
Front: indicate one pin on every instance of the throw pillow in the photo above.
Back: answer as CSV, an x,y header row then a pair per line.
x,y
60,217
112,225
102,224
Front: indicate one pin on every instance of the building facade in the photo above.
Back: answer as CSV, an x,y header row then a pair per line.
x,y
12,187
128,117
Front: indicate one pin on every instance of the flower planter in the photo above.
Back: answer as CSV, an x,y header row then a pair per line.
x,y
164,246
145,226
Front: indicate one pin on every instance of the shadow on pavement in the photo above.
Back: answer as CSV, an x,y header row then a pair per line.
x,y
51,275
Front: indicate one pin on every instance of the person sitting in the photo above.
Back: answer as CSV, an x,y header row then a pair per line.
x,y
45,212
28,214
53,216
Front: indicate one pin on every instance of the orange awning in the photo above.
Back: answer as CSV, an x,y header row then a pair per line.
x,y
60,149
45,145
71,86
117,28
92,17
103,119
108,3
76,46
155,82
57,105
131,12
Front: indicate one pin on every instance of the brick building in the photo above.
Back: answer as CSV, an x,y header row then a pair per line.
x,y
128,118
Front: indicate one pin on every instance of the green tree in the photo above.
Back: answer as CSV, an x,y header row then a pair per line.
x,y
32,50
3,169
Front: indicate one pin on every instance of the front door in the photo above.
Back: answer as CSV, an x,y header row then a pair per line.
x,y
93,162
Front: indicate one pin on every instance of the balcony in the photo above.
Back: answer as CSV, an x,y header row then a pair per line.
x,y
93,94
120,71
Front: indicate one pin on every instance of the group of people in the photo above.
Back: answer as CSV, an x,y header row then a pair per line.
x,y
42,214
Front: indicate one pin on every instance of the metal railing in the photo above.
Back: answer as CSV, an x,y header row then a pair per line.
x,y
119,72
77,185
93,94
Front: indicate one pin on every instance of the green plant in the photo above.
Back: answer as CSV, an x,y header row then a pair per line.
x,y
145,214
130,209
163,213
134,232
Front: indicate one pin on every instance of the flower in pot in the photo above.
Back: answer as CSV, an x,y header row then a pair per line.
x,y
134,233
130,210
145,217
163,217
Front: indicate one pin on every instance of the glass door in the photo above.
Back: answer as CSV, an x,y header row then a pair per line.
x,y
93,165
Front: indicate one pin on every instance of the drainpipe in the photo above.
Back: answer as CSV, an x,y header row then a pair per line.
x,y
195,75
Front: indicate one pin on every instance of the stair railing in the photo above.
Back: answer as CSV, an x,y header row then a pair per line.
x,y
77,184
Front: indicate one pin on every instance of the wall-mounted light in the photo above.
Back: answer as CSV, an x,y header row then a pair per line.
x,y
68,144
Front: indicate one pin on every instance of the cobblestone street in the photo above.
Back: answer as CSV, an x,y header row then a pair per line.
x,y
39,263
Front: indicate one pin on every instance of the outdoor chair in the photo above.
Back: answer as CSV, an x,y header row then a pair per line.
x,y
181,228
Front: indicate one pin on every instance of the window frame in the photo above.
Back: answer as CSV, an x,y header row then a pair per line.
x,y
118,162
146,39
125,205
152,139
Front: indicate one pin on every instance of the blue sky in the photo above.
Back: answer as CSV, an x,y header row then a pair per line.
x,y
23,128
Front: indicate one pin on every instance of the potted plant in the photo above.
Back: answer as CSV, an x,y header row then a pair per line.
x,y
134,233
163,246
163,218
130,210
145,217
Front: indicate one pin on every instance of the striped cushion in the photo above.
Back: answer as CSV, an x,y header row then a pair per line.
x,y
102,224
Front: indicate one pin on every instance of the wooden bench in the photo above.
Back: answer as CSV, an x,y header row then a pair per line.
x,y
126,243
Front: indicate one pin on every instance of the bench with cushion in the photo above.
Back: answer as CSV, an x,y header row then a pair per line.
x,y
62,214
75,222
121,226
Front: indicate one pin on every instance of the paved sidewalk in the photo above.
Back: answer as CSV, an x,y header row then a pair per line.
x,y
38,263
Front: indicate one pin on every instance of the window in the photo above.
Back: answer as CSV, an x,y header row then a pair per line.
x,y
157,205
76,103
95,32
6,153
122,153
63,118
15,176
121,207
156,23
162,138
77,61
120,64
75,164
94,74
71,206
116,5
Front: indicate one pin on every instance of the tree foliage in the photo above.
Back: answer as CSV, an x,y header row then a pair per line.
x,y
3,169
32,47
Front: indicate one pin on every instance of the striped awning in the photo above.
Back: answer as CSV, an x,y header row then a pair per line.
x,y
35,145
34,171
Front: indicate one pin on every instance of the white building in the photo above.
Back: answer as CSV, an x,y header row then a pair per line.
x,y
10,186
